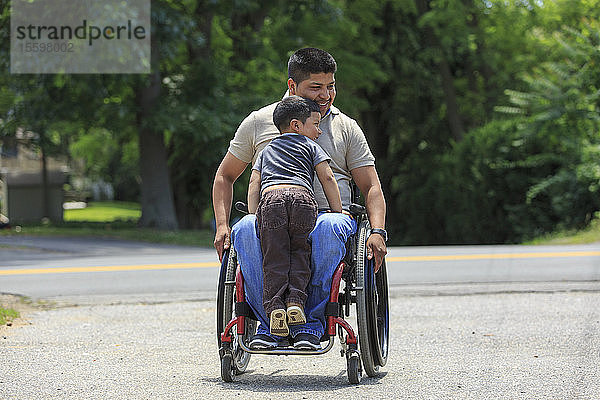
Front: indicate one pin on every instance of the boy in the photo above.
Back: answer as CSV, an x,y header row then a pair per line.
x,y
286,214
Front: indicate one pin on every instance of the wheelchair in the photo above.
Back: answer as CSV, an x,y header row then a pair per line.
x,y
236,323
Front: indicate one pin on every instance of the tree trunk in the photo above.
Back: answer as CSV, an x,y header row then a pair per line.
x,y
45,186
454,119
158,209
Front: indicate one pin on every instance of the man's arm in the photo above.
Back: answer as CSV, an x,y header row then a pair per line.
x,y
222,195
367,180
254,192
330,187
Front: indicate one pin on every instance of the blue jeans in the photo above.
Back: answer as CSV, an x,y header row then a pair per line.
x,y
328,247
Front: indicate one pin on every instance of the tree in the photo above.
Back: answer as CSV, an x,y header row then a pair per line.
x,y
563,107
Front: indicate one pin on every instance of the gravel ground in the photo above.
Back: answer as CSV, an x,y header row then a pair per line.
x,y
458,346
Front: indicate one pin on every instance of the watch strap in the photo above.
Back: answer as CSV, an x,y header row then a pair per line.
x,y
380,231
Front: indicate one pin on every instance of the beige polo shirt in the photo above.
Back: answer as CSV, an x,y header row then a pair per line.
x,y
342,139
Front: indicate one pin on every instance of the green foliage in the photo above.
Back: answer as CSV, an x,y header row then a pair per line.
x,y
526,160
98,154
96,149
564,113
527,176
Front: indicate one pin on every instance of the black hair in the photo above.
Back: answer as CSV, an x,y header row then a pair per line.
x,y
293,107
310,60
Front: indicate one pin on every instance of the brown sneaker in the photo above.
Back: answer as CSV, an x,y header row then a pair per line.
x,y
295,315
278,323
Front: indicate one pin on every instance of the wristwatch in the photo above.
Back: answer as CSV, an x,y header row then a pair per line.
x,y
380,231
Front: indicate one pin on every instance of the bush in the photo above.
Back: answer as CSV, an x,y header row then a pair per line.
x,y
502,185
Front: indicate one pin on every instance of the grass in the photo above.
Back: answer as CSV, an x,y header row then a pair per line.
x,y
117,230
591,234
112,220
107,211
118,220
7,315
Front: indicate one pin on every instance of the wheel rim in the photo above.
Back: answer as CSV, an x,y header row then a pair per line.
x,y
221,297
380,316
375,308
225,312
363,274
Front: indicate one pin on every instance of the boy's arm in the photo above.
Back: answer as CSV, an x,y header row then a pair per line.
x,y
254,192
330,187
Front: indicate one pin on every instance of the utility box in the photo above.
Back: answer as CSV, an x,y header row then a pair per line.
x,y
23,195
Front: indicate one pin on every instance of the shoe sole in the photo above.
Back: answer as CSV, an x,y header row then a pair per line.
x,y
305,345
262,345
278,324
295,316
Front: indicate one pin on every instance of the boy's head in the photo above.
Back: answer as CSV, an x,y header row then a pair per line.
x,y
296,114
311,75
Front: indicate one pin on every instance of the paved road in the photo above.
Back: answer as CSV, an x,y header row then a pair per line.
x,y
467,322
59,268
487,346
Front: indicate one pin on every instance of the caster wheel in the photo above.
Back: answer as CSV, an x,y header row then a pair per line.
x,y
354,369
226,368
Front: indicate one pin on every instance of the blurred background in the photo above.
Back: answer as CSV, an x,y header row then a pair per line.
x,y
483,115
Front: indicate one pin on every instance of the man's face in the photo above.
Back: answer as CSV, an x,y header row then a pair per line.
x,y
318,87
310,128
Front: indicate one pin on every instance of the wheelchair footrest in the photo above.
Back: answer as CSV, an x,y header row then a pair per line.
x,y
288,350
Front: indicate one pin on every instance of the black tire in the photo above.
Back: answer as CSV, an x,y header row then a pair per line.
x,y
381,323
226,368
371,306
221,297
225,312
362,305
354,369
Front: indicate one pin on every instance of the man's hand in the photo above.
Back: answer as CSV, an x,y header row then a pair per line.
x,y
377,248
367,180
222,240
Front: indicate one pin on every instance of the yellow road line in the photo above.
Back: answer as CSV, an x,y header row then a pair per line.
x,y
458,257
110,268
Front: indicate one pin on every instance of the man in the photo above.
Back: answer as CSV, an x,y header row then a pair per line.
x,y
311,75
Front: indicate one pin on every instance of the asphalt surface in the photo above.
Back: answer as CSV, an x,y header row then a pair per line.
x,y
503,325
492,346
104,267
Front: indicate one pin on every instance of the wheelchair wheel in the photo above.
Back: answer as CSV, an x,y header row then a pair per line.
x,y
372,307
354,368
238,359
226,370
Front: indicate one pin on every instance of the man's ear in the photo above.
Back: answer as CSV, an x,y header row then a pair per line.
x,y
296,125
291,86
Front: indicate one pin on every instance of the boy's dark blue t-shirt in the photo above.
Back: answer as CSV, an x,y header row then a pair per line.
x,y
289,159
